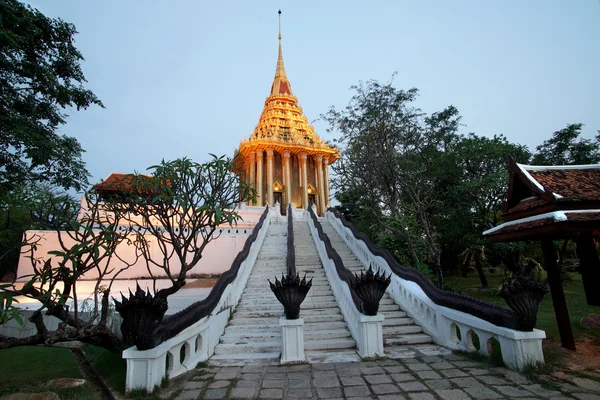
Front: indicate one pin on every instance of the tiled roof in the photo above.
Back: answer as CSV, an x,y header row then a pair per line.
x,y
571,184
527,204
537,222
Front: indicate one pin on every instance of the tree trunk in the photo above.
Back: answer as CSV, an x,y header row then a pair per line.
x,y
466,264
482,278
561,256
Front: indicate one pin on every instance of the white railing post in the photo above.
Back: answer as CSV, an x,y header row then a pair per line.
x,y
292,335
371,343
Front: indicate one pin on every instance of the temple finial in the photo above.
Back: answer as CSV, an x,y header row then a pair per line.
x,y
280,71
279,12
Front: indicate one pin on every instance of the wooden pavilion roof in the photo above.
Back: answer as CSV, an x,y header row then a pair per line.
x,y
549,202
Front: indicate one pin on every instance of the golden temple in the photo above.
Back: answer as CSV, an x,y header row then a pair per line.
x,y
284,160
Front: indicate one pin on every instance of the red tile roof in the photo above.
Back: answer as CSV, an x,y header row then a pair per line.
x,y
572,184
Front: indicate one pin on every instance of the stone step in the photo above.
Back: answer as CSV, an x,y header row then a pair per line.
x,y
391,331
275,306
305,313
239,359
329,344
417,338
257,347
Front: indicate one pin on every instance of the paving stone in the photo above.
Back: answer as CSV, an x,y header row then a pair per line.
x,y
453,373
226,376
205,377
431,359
191,385
421,396
305,392
271,394
357,391
219,384
512,391
482,393
243,393
395,369
428,374
189,395
412,386
466,364
253,368
396,396
466,382
377,379
325,383
538,390
352,381
215,394
248,383
322,367
273,383
372,370
477,371
298,375
349,372
515,377
418,367
251,377
440,384
455,357
299,368
454,394
402,377
299,383
276,375
386,388
441,365
329,392
585,396
387,363
586,384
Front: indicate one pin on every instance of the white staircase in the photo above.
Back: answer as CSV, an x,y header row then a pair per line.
x,y
398,329
253,335
326,335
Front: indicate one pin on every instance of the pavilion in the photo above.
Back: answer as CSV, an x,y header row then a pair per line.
x,y
556,202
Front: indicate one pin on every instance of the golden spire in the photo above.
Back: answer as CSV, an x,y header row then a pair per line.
x,y
281,85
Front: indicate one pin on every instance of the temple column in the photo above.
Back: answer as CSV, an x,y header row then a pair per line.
x,y
252,177
259,178
326,177
322,204
304,181
270,176
287,177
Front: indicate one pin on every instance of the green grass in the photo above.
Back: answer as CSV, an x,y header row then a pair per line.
x,y
574,294
27,368
110,366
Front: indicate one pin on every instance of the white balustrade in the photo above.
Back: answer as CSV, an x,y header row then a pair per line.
x,y
147,368
449,328
366,330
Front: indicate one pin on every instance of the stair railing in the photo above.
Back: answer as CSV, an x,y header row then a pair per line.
x,y
291,252
190,336
453,320
366,330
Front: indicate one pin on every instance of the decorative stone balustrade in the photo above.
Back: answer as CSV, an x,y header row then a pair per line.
x,y
448,327
196,343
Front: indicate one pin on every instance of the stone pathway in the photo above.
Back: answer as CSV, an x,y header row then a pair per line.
x,y
447,377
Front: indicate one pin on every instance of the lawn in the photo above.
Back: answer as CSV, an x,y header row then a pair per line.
x,y
26,369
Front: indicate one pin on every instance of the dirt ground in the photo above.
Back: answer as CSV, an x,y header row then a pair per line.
x,y
201,283
583,362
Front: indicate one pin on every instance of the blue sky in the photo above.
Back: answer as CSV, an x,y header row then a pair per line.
x,y
187,78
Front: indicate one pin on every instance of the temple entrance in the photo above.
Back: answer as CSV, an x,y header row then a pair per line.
x,y
278,197
311,200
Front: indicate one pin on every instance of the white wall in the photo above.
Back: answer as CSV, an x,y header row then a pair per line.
x,y
216,257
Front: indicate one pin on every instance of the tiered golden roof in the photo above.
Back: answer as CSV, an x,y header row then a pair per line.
x,y
283,126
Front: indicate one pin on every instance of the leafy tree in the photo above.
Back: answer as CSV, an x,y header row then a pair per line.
x,y
393,154
178,209
40,77
565,147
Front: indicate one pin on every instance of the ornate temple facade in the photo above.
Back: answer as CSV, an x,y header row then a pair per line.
x,y
284,160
